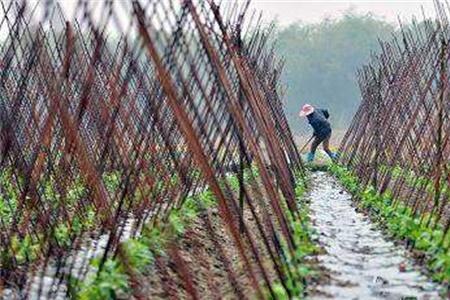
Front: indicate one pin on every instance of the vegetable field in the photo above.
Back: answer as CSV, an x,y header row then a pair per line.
x,y
398,144
128,144
145,154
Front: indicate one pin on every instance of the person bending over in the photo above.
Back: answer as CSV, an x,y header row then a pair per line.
x,y
318,119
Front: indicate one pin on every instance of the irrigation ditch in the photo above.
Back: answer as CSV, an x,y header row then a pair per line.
x,y
359,257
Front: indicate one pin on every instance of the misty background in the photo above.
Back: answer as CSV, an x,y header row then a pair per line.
x,y
321,63
325,42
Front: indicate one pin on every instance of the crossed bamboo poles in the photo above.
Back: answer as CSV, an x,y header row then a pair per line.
x,y
399,138
102,123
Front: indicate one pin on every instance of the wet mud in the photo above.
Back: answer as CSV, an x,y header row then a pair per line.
x,y
361,263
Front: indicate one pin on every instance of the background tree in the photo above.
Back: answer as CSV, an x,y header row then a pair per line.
x,y
321,63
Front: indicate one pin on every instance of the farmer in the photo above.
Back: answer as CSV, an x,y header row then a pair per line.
x,y
318,119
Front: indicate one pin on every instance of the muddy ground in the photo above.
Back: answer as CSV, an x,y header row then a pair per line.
x,y
360,262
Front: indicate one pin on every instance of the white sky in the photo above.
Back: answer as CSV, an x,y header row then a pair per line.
x,y
308,11
311,11
289,11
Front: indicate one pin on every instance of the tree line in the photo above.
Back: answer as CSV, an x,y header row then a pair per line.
x,y
321,63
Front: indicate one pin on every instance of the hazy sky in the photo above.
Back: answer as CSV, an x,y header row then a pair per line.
x,y
288,11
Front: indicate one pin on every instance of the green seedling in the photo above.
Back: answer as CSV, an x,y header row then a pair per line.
x,y
403,224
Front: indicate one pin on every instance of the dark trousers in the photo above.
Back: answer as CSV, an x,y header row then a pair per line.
x,y
325,140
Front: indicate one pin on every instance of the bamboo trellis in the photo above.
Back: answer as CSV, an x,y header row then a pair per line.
x,y
399,139
111,120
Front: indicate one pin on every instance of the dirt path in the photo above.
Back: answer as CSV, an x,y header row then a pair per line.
x,y
362,263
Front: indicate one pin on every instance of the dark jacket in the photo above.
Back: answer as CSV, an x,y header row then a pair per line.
x,y
319,122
